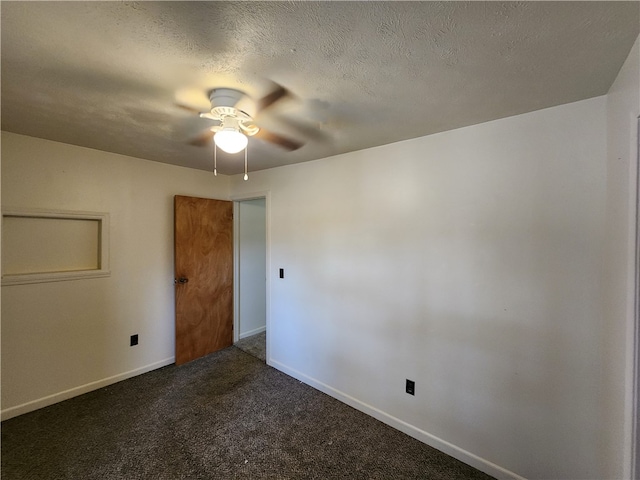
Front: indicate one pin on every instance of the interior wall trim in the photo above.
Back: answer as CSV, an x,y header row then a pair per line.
x,y
454,451
635,380
76,391
102,253
253,332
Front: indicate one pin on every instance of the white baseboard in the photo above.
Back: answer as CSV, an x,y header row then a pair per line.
x,y
74,392
425,437
255,331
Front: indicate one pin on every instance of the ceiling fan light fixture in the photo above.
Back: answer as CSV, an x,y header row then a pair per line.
x,y
230,140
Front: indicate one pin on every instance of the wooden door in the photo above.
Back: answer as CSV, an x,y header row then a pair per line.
x,y
203,276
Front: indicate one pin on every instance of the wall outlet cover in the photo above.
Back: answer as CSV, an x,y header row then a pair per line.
x,y
411,387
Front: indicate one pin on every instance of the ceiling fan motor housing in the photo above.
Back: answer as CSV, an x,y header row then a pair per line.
x,y
231,102
235,110
225,97
223,112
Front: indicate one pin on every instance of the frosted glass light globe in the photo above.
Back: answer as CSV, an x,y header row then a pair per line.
x,y
231,140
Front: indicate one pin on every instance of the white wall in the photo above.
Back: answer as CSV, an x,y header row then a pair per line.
x,y
623,109
252,257
74,335
467,261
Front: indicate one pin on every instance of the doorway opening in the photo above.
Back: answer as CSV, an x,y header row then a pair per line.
x,y
250,265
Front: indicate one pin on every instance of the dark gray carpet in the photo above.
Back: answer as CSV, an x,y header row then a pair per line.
x,y
255,345
225,416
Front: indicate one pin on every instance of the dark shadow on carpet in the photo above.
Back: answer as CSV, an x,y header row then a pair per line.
x,y
225,416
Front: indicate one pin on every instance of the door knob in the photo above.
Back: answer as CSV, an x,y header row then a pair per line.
x,y
181,280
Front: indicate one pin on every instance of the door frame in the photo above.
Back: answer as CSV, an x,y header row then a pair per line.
x,y
635,367
236,199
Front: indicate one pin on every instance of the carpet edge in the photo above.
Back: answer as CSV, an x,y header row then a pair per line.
x,y
7,413
450,449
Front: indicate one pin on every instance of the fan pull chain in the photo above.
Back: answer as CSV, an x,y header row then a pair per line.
x,y
246,177
215,160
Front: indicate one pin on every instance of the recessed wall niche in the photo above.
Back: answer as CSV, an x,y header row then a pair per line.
x,y
51,246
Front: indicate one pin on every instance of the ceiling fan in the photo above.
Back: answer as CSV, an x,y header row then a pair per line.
x,y
234,112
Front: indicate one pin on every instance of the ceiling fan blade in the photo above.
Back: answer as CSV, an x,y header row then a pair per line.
x,y
203,139
305,129
188,108
279,140
192,99
278,93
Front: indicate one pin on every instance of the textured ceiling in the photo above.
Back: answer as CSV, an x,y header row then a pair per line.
x,y
107,75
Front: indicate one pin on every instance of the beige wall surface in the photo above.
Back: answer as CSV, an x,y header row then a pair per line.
x,y
467,261
623,109
41,244
63,338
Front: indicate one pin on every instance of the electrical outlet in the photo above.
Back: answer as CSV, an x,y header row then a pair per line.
x,y
134,340
411,387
